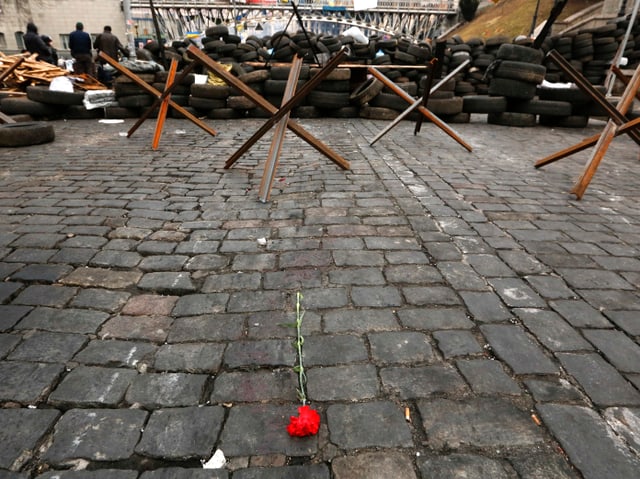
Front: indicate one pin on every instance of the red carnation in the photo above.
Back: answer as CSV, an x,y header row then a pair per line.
x,y
306,424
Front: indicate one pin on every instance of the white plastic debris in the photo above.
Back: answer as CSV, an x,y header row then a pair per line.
x,y
111,121
61,83
357,35
200,79
99,99
262,241
217,461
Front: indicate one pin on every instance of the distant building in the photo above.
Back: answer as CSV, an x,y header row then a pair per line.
x,y
57,19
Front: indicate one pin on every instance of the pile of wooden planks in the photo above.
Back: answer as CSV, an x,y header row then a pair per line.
x,y
21,70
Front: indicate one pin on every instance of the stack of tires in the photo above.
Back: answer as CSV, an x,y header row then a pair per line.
x,y
515,75
132,99
577,105
224,47
332,95
179,93
238,105
480,61
206,98
275,86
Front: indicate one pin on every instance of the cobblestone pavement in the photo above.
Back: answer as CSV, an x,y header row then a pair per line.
x,y
144,296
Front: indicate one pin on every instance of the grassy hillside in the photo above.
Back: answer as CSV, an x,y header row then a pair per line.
x,y
513,17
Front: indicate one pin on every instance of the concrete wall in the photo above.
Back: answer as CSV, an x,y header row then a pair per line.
x,y
57,18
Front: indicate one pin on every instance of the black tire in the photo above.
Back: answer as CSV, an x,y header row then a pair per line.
x,y
336,74
306,111
52,97
527,72
207,103
163,76
255,76
421,52
128,89
23,105
542,107
79,112
512,88
403,58
224,114
450,106
282,72
177,90
574,96
366,91
519,53
334,85
410,87
382,60
457,118
344,112
390,101
484,104
240,103
217,31
119,112
135,101
464,88
277,87
572,121
509,118
26,133
219,92
328,100
377,113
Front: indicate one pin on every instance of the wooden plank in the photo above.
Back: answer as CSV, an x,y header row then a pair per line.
x,y
164,106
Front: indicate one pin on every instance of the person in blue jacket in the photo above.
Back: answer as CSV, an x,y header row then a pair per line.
x,y
80,47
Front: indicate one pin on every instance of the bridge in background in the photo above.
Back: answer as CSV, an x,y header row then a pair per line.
x,y
413,19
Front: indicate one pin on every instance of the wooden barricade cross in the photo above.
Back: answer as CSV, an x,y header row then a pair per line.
x,y
277,113
417,104
422,101
617,124
160,96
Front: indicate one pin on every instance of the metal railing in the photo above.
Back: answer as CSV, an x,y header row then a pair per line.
x,y
444,6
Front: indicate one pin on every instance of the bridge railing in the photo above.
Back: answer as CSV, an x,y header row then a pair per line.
x,y
444,6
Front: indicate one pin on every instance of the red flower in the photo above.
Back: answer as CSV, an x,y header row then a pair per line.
x,y
306,424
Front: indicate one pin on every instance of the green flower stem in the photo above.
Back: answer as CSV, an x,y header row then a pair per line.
x,y
302,378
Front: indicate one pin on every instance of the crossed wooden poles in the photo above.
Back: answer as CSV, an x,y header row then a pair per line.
x,y
617,124
419,104
277,113
161,97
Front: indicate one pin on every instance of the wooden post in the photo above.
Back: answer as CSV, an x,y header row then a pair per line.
x,y
164,105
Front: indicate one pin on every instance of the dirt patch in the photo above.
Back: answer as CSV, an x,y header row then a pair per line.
x,y
514,17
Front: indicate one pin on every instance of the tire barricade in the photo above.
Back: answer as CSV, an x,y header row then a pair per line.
x,y
504,80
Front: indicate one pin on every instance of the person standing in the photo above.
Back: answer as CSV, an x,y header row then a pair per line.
x,y
33,43
108,43
80,47
48,41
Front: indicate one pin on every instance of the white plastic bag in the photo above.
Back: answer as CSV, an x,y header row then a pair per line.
x,y
61,83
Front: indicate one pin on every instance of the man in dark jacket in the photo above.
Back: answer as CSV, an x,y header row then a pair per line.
x,y
108,43
34,44
80,47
